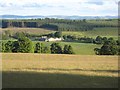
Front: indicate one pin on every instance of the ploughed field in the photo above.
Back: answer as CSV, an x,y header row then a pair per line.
x,y
62,71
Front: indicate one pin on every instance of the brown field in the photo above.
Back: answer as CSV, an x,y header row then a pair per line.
x,y
58,63
28,30
94,71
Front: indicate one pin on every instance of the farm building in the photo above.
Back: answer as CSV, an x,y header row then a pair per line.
x,y
55,39
50,39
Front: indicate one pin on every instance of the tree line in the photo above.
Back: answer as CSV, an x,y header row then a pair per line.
x,y
25,45
55,24
97,40
70,38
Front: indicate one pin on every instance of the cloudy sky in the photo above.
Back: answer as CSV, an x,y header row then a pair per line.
x,y
59,7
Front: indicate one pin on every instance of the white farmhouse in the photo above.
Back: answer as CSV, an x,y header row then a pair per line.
x,y
45,38
54,39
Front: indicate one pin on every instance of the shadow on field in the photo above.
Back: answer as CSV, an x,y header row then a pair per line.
x,y
59,69
16,79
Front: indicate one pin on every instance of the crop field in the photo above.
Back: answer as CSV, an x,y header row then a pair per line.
x,y
62,71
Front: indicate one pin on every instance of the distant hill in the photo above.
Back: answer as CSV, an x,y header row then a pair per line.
x,y
56,16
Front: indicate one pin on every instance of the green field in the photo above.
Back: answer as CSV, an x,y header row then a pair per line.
x,y
79,48
104,22
59,71
104,32
107,32
83,70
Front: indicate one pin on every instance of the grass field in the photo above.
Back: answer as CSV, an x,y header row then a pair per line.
x,y
83,69
107,32
58,71
104,22
104,32
78,48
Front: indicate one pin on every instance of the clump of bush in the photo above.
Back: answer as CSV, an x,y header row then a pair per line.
x,y
110,47
57,49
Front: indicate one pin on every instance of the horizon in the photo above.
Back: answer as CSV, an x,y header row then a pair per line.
x,y
59,7
57,15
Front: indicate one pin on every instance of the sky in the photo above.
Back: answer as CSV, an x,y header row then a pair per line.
x,y
59,7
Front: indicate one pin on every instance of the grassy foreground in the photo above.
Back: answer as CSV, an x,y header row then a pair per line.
x,y
51,71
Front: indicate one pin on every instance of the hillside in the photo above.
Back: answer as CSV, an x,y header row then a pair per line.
x,y
81,35
60,24
108,32
104,32
28,30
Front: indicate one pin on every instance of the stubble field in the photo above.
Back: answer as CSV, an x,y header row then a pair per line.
x,y
62,71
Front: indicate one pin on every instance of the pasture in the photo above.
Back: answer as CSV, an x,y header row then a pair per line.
x,y
104,32
59,71
83,70
79,48
113,22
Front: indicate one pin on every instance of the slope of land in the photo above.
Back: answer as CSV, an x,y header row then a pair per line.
x,y
36,31
104,32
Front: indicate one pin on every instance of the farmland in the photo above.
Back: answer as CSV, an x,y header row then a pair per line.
x,y
28,30
45,70
83,69
79,48
108,32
